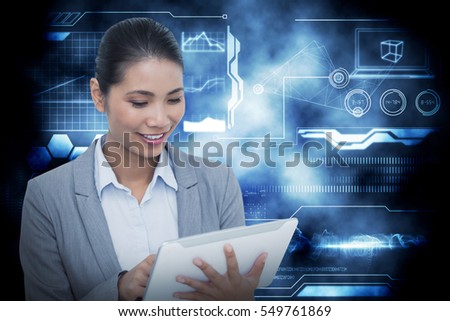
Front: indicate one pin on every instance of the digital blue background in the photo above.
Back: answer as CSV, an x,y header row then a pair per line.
x,y
371,218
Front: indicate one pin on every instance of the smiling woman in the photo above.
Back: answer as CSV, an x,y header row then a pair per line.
x,y
142,111
91,227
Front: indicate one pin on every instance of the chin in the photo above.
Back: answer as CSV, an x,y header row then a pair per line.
x,y
154,152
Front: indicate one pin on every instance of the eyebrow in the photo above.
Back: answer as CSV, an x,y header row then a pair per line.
x,y
149,93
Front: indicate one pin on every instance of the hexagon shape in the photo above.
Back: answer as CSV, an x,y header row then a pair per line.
x,y
77,151
39,158
60,146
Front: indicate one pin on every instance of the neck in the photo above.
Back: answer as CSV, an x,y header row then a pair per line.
x,y
131,170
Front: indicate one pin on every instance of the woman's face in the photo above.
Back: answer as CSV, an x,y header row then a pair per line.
x,y
144,109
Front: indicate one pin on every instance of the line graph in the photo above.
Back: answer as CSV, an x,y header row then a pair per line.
x,y
198,84
203,41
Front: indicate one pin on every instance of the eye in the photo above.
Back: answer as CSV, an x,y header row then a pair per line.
x,y
174,101
139,104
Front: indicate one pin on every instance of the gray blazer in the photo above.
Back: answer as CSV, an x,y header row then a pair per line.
x,y
66,249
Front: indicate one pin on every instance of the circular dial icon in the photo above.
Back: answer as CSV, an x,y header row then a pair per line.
x,y
393,102
428,102
357,102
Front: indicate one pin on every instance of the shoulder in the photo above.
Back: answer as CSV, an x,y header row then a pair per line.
x,y
60,176
54,176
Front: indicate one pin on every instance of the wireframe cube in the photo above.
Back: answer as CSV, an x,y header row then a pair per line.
x,y
391,50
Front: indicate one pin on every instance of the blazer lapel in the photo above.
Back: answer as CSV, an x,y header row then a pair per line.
x,y
91,213
188,198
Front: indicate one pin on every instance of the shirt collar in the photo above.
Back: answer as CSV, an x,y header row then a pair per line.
x,y
164,169
104,175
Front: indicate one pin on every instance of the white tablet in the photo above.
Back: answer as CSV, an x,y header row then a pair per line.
x,y
175,257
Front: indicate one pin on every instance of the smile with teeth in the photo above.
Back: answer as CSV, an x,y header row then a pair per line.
x,y
153,137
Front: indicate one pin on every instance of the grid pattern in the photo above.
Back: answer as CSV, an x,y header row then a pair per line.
x,y
63,99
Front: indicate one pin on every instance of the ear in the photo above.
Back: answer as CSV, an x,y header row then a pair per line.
x,y
97,95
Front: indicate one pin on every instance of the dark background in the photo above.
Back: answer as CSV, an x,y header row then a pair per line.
x,y
19,131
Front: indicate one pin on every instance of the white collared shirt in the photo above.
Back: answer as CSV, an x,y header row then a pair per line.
x,y
137,229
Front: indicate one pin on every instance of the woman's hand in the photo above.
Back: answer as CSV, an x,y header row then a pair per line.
x,y
229,286
132,284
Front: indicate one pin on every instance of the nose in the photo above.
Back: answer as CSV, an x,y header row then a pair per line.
x,y
156,116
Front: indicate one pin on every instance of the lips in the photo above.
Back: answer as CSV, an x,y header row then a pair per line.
x,y
153,139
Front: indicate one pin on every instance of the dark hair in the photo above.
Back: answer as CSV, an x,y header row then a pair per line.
x,y
130,41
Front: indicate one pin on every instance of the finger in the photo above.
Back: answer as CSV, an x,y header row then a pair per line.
x,y
232,263
141,278
151,259
147,264
131,285
208,270
198,285
140,292
255,273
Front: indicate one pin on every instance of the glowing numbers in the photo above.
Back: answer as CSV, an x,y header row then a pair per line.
x,y
393,102
357,102
428,102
